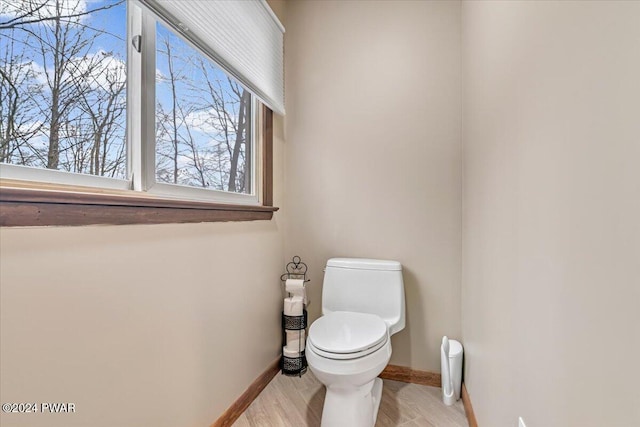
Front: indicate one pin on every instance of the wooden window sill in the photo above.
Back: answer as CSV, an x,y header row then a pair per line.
x,y
20,206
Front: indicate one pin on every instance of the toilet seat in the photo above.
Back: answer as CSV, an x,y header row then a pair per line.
x,y
344,335
345,356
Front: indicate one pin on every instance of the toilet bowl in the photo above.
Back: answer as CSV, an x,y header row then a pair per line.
x,y
363,305
346,351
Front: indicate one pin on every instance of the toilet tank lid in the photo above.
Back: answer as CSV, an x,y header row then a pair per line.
x,y
364,264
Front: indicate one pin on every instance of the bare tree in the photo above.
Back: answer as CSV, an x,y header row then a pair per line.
x,y
242,134
104,108
30,12
62,101
234,124
203,121
176,139
75,101
19,122
173,79
58,46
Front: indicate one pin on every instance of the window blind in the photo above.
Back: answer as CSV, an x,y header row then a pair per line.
x,y
243,36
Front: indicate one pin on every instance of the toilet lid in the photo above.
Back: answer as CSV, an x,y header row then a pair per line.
x,y
347,332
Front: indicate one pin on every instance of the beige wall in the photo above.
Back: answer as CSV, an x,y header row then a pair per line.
x,y
162,325
373,152
551,283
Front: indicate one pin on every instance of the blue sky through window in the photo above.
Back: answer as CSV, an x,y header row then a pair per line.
x,y
71,98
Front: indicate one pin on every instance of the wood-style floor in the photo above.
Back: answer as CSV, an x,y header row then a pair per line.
x,y
297,402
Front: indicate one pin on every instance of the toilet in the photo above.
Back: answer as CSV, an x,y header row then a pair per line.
x,y
363,304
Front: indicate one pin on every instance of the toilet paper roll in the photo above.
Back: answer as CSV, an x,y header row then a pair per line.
x,y
295,346
295,340
293,306
295,287
288,353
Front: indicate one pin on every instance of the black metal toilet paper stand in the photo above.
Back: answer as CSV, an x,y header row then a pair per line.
x,y
294,366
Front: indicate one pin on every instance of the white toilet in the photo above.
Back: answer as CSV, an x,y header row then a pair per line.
x,y
349,346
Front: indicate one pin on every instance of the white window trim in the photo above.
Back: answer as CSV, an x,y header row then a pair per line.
x,y
32,174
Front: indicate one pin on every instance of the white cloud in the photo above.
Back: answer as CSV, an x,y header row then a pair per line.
x,y
184,161
34,133
30,72
37,71
40,140
202,121
99,70
206,121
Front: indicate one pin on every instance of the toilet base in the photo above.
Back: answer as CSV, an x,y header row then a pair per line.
x,y
377,397
355,406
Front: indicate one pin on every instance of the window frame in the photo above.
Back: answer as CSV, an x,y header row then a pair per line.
x,y
77,199
149,20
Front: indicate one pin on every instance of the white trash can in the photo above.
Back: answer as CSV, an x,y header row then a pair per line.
x,y
451,365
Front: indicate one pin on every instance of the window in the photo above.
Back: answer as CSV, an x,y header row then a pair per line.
x,y
119,95
63,89
204,121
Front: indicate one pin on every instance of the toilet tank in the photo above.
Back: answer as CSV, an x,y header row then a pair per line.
x,y
365,286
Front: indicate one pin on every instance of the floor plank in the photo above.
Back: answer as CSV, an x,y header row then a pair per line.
x,y
293,401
